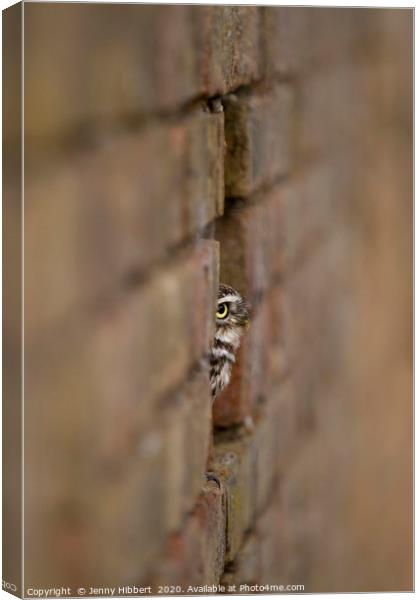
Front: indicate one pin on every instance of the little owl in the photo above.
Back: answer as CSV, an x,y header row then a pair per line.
x,y
232,316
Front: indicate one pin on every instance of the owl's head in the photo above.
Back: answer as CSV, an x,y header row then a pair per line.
x,y
232,310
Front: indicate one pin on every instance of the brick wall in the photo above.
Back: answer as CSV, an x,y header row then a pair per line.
x,y
168,148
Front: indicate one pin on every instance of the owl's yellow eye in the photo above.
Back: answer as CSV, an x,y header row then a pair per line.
x,y
222,311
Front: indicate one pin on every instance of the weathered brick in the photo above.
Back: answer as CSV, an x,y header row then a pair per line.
x,y
211,514
250,464
229,46
278,357
92,388
259,131
276,545
297,40
140,498
116,70
251,239
324,127
171,456
312,209
318,319
59,411
275,437
195,556
97,217
187,439
333,35
122,467
316,316
245,568
284,30
234,462
145,490
143,347
130,512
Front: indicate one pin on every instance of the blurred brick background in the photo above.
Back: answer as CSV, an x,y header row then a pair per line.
x,y
166,146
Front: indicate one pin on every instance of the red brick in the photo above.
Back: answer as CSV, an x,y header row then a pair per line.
x,y
143,348
319,317
278,554
275,440
270,445
259,130
187,439
252,242
195,556
170,453
245,568
117,71
129,509
335,35
92,389
312,202
278,353
107,345
317,314
88,63
146,486
78,498
250,464
284,30
324,127
229,46
211,514
234,462
146,491
93,219
298,40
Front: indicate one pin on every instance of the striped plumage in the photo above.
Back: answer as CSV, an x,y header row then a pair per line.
x,y
232,316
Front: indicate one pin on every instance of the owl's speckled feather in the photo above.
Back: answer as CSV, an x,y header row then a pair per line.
x,y
231,318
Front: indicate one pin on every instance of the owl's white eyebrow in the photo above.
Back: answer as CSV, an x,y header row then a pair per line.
x,y
228,298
